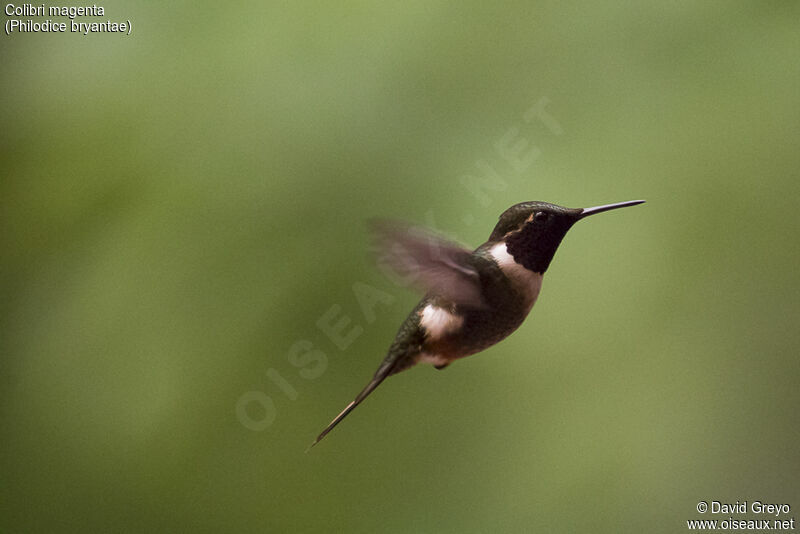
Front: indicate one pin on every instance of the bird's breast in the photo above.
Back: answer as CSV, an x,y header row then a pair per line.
x,y
452,332
526,282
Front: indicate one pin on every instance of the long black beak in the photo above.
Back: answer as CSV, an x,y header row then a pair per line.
x,y
600,209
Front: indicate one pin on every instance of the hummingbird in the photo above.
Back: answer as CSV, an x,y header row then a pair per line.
x,y
473,299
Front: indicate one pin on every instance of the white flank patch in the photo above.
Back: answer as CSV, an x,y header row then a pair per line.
x,y
438,321
525,280
433,359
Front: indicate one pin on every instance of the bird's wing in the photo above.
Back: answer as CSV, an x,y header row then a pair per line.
x,y
431,262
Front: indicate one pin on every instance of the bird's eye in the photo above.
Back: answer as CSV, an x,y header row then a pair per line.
x,y
540,217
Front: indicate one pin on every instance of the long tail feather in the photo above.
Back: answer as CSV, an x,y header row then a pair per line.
x,y
379,377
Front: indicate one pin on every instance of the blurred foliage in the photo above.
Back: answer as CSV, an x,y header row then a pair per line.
x,y
179,207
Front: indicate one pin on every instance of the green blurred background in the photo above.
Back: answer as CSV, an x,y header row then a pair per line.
x,y
181,206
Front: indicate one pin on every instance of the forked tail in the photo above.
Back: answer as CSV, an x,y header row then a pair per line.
x,y
379,377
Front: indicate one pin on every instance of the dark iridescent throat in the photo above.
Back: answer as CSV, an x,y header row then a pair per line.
x,y
534,246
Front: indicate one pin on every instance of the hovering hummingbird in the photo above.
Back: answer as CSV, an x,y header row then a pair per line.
x,y
473,299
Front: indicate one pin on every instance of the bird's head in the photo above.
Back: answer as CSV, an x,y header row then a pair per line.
x,y
533,230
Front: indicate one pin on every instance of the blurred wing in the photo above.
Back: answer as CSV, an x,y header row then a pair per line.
x,y
431,262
